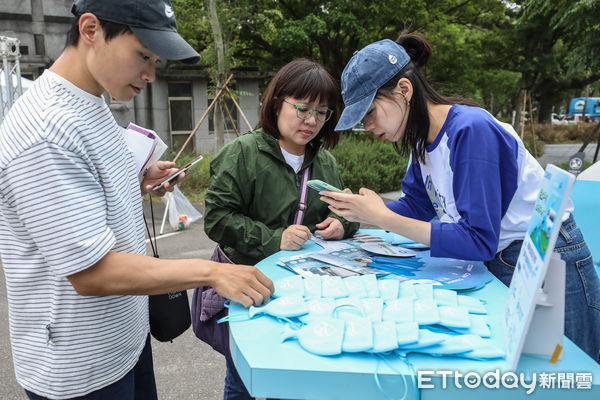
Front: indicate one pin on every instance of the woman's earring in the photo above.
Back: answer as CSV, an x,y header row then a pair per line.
x,y
407,101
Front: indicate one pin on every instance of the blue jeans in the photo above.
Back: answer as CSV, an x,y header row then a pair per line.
x,y
582,287
234,387
137,384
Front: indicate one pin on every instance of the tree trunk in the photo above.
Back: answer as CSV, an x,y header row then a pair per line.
x,y
219,76
545,104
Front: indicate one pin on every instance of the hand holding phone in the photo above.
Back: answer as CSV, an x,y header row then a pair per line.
x,y
179,171
319,185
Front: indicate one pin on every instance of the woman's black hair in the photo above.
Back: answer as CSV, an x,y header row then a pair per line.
x,y
111,30
301,79
417,125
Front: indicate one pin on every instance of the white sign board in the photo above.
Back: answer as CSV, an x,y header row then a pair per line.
x,y
525,292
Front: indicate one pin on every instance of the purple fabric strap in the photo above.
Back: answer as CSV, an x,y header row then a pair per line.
x,y
303,191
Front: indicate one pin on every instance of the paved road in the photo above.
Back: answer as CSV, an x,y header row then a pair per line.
x,y
560,153
187,368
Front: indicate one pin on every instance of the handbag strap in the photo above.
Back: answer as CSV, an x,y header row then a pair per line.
x,y
303,192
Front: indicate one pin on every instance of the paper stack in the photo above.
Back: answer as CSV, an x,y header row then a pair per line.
x,y
146,146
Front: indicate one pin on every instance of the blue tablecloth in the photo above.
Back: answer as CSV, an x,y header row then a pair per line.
x,y
284,370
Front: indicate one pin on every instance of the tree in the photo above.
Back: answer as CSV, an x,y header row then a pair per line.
x,y
554,50
201,25
487,50
330,32
219,74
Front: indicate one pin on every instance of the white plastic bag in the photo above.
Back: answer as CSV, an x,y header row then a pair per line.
x,y
181,211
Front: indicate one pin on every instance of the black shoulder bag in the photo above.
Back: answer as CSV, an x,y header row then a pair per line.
x,y
169,313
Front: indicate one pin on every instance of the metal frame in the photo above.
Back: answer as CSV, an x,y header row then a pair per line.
x,y
10,72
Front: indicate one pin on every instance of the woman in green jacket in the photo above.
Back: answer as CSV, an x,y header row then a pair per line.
x,y
255,182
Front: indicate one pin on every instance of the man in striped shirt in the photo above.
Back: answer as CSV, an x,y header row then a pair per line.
x,y
71,223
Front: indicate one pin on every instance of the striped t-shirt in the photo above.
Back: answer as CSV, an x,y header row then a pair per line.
x,y
69,194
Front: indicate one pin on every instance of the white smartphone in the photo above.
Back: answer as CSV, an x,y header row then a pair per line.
x,y
179,171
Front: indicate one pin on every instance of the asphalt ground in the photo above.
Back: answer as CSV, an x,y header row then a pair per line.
x,y
188,368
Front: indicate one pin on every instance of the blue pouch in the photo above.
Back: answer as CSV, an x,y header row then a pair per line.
x,y
289,286
426,312
282,307
371,286
407,290
318,309
445,297
478,326
452,345
407,332
372,308
333,286
475,306
424,290
427,338
355,286
323,337
399,310
454,317
358,335
388,288
384,337
348,308
312,287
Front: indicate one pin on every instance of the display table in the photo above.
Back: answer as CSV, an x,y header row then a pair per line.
x,y
273,369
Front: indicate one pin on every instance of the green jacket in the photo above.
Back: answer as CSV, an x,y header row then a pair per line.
x,y
253,196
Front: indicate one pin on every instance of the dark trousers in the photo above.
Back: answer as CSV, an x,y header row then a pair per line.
x,y
137,384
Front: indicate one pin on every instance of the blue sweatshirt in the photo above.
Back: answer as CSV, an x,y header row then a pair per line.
x,y
479,180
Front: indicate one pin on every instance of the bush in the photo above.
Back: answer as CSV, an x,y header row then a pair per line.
x,y
573,133
198,177
367,162
539,145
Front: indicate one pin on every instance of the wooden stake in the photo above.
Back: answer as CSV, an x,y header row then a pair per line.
x,y
212,104
238,107
532,128
523,113
231,119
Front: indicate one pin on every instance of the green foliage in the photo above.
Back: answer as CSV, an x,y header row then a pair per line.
x,y
578,23
528,142
486,50
196,182
367,162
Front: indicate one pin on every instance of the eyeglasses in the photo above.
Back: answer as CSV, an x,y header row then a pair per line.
x,y
304,112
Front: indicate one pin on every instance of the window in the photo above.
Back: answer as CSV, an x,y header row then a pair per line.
x,y
228,121
24,50
181,114
40,47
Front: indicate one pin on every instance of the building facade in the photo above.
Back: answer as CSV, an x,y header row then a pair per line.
x,y
172,105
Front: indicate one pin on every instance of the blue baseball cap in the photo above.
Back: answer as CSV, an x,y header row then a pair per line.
x,y
367,71
152,21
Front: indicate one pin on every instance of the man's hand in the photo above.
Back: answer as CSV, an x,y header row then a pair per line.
x,y
157,173
242,283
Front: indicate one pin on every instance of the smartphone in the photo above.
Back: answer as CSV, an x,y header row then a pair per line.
x,y
319,185
179,171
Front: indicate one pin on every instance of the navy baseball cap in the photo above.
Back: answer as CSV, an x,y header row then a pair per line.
x,y
152,21
367,71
